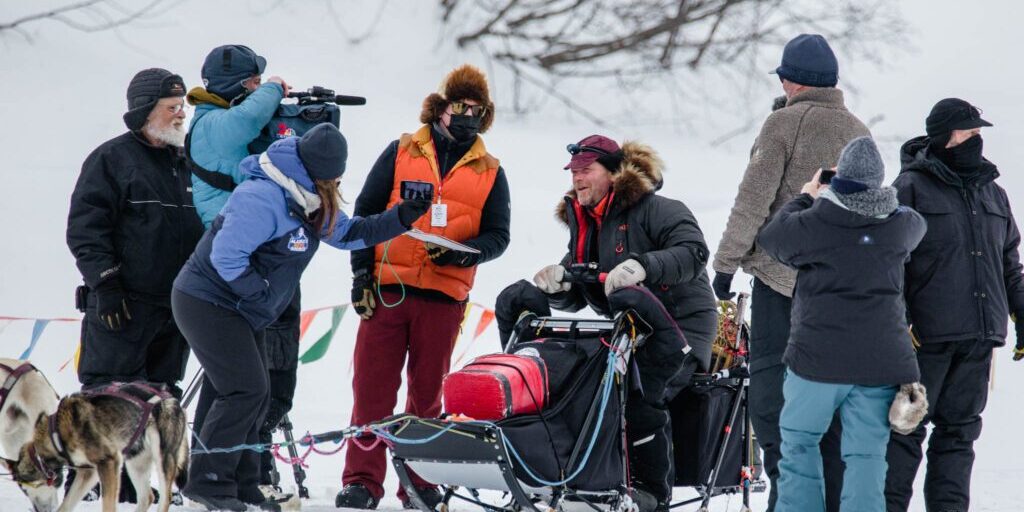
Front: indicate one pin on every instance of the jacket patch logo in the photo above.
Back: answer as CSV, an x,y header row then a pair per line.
x,y
284,130
298,242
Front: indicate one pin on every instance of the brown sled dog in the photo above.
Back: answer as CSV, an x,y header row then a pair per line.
x,y
97,432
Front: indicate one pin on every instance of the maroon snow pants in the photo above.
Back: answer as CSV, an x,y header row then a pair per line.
x,y
423,329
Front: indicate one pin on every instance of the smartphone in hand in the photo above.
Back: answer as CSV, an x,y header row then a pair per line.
x,y
826,176
417,191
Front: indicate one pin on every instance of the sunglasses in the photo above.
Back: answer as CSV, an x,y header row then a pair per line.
x,y
575,149
459,108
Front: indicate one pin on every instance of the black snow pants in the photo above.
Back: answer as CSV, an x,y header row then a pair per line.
x,y
956,376
234,358
769,324
148,348
649,434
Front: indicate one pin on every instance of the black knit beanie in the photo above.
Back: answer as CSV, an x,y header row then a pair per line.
x,y
145,89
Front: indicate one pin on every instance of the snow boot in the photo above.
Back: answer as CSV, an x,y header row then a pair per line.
x,y
356,496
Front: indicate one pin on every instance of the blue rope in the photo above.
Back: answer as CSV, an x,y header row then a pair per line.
x,y
606,393
397,440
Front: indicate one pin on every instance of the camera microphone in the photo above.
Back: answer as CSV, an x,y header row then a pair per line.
x,y
342,99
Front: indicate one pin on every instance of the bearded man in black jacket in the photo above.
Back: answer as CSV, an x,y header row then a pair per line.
x,y
131,227
961,284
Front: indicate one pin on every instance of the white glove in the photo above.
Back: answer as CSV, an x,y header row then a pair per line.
x,y
627,273
549,279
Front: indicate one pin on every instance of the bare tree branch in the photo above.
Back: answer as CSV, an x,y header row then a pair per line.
x,y
630,43
105,14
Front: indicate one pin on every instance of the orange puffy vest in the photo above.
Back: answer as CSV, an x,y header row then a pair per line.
x,y
464,189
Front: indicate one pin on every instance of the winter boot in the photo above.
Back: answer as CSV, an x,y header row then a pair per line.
x,y
270,499
229,503
431,497
356,496
645,501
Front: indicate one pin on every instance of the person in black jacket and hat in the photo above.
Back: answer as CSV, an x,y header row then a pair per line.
x,y
962,282
617,220
131,227
849,348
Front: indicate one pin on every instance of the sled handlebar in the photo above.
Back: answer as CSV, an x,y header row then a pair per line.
x,y
583,273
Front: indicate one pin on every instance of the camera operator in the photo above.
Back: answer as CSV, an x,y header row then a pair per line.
x,y
230,112
616,219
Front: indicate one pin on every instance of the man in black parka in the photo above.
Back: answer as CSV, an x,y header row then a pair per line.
x,y
616,219
131,226
962,282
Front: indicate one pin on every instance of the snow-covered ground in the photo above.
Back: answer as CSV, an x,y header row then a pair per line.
x,y
63,94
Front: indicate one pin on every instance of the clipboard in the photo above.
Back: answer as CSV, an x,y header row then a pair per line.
x,y
440,240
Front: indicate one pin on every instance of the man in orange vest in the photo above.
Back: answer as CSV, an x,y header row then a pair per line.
x,y
412,295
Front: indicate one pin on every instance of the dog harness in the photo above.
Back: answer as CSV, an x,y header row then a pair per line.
x,y
14,374
116,389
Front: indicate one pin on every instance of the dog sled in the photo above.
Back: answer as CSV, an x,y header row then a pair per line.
x,y
572,453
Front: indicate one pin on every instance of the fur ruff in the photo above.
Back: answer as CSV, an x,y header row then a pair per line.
x,y
640,174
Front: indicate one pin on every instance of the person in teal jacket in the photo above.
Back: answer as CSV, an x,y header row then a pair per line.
x,y
230,112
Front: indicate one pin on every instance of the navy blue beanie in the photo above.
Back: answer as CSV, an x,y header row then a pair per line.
x,y
226,67
323,151
808,60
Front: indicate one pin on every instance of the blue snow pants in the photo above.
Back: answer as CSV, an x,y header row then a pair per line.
x,y
806,416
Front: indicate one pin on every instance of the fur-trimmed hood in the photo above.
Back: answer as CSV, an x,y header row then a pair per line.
x,y
640,174
462,83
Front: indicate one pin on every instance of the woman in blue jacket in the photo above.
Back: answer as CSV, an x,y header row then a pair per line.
x,y
242,275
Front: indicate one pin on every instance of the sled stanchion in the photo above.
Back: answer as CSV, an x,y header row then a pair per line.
x,y
300,474
406,481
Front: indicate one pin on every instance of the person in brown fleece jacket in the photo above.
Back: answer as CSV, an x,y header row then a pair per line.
x,y
807,133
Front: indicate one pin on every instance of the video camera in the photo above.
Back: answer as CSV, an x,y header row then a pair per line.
x,y
318,95
314,106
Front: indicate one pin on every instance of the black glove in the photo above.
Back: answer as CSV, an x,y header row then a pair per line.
x,y
362,294
410,211
111,305
1018,322
442,256
722,286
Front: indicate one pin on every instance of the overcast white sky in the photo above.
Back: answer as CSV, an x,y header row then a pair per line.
x,y
63,94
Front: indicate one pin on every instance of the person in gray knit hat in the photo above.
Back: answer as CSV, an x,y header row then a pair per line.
x,y
849,350
857,185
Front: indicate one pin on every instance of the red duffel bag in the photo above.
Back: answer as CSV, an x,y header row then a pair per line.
x,y
497,386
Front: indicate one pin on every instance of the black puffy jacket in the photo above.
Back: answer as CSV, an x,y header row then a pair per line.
x,y
132,217
661,233
965,277
848,319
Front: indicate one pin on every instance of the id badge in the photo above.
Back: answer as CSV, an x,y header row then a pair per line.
x,y
438,215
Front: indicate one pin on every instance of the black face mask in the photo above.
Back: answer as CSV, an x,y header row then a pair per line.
x,y
967,154
464,128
